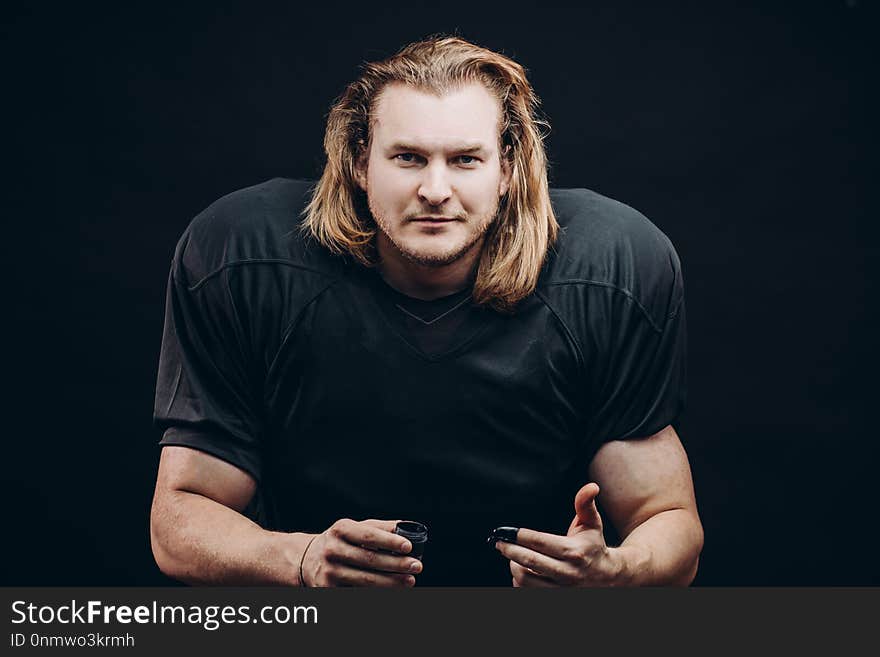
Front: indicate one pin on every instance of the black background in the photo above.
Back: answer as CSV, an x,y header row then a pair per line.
x,y
741,129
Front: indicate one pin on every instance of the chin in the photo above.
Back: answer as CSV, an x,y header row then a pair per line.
x,y
433,258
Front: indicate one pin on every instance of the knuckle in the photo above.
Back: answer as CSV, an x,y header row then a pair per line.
x,y
335,572
330,550
582,552
570,552
591,552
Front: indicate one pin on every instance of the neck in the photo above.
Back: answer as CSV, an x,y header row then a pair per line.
x,y
425,282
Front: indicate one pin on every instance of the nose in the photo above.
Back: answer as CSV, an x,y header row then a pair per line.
x,y
434,188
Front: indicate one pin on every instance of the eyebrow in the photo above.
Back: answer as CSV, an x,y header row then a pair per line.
x,y
463,148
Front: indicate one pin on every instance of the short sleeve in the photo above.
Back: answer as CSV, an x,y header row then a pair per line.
x,y
645,386
207,392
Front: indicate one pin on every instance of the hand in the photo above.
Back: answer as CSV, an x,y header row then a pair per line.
x,y
347,554
580,558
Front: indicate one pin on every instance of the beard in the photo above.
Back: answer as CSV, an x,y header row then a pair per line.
x,y
480,224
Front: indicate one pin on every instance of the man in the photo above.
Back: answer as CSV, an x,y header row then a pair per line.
x,y
426,344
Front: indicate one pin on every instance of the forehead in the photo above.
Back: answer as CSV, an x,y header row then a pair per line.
x,y
469,113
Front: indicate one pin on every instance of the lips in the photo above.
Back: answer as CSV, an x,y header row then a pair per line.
x,y
433,220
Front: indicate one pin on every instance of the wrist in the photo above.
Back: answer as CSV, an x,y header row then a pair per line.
x,y
292,547
302,580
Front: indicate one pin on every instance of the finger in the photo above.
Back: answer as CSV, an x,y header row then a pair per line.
x,y
386,525
585,506
367,534
549,544
343,575
353,555
390,526
539,564
522,577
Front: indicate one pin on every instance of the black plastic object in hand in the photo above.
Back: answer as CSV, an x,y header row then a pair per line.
x,y
416,533
506,534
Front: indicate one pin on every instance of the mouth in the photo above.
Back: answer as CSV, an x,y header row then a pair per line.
x,y
434,220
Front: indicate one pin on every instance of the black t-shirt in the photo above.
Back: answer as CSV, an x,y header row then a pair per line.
x,y
305,370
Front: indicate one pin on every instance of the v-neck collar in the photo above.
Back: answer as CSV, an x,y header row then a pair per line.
x,y
453,321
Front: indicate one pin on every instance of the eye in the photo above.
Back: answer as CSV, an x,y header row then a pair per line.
x,y
406,158
467,160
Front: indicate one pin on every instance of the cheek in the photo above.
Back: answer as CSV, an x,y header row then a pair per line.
x,y
388,185
480,191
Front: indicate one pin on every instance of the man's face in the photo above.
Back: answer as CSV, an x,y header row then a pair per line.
x,y
433,175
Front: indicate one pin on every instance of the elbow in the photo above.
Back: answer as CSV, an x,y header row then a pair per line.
x,y
690,574
690,549
698,539
162,541
160,553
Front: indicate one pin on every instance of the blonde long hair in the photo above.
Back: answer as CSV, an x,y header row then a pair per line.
x,y
517,242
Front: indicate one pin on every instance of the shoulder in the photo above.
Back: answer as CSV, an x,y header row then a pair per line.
x,y
257,225
606,244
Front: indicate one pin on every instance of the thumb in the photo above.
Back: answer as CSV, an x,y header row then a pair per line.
x,y
586,514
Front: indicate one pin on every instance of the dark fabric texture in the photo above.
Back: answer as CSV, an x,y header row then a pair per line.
x,y
300,368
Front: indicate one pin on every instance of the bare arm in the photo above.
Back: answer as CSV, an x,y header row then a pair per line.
x,y
648,494
198,533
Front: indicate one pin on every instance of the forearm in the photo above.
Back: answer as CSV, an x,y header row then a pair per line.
x,y
200,541
662,551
